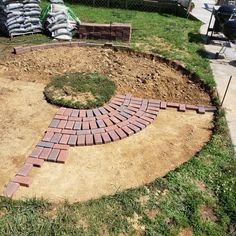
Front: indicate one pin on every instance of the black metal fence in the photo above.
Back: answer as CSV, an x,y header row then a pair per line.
x,y
164,6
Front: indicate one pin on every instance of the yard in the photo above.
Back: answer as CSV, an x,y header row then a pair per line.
x,y
198,198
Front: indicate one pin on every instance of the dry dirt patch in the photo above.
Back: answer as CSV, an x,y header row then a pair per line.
x,y
91,172
67,94
132,73
24,117
208,213
186,232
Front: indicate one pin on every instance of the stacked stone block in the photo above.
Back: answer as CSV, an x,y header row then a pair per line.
x,y
115,31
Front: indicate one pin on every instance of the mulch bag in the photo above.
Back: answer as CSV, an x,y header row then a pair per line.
x,y
20,16
59,21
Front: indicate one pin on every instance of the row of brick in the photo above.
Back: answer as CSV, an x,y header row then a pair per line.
x,y
56,153
183,107
24,49
122,117
59,154
65,129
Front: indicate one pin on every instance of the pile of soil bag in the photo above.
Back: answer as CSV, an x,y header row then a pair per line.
x,y
59,21
18,17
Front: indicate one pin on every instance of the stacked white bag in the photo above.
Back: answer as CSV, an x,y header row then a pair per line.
x,y
58,21
20,17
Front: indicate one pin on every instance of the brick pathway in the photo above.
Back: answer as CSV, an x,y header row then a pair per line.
x,y
123,116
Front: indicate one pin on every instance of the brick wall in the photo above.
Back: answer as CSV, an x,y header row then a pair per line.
x,y
115,31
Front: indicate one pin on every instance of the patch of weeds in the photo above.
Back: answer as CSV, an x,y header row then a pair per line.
x,y
79,90
107,212
65,222
23,216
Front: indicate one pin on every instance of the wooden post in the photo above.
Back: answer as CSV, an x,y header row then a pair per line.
x,y
126,4
189,8
226,90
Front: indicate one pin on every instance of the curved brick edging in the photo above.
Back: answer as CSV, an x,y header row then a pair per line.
x,y
24,49
174,64
121,117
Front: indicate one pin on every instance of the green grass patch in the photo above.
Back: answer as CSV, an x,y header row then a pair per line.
x,y
80,90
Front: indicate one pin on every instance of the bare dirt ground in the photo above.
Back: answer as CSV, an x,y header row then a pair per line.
x,y
24,116
132,73
91,172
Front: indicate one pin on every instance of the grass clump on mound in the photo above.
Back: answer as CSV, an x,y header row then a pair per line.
x,y
80,90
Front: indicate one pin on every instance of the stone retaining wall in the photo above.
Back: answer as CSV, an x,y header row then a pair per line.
x,y
114,31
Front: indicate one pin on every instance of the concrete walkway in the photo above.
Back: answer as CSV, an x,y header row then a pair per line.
x,y
222,68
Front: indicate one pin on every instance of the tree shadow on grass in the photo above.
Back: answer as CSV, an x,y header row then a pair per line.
x,y
205,54
196,38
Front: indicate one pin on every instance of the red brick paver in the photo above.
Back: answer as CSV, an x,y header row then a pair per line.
x,y
35,161
63,155
10,189
22,180
36,152
45,153
24,171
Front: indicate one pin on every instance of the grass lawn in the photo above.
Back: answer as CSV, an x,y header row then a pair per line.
x,y
199,196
